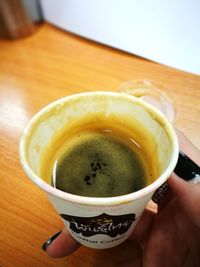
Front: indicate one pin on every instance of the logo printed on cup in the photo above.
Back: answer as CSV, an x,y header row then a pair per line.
x,y
110,225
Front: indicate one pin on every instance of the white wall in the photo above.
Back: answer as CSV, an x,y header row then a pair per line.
x,y
164,31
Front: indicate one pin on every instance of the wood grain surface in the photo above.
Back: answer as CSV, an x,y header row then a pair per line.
x,y
36,71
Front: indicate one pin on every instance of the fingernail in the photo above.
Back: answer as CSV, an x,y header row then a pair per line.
x,y
187,169
160,193
50,240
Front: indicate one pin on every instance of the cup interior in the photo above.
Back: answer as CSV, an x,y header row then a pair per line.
x,y
147,126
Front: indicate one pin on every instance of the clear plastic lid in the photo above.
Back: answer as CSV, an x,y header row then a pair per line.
x,y
152,93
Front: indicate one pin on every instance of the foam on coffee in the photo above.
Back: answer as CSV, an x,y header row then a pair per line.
x,y
97,159
97,163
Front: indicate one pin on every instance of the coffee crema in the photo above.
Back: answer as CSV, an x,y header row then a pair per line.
x,y
97,160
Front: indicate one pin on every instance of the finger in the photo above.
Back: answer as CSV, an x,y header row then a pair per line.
x,y
162,196
168,239
185,168
188,196
167,199
143,226
63,245
132,263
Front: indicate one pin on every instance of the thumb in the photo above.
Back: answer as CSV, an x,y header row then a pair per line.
x,y
188,196
61,244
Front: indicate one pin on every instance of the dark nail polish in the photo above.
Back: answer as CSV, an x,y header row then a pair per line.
x,y
186,169
160,193
50,240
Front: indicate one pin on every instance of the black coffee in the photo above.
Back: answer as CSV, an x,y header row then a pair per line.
x,y
100,163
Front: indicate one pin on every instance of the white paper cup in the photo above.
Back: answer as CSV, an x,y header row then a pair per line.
x,y
98,222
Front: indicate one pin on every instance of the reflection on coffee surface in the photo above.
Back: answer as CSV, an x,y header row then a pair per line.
x,y
98,161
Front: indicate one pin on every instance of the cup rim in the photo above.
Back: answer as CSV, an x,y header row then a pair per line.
x,y
99,201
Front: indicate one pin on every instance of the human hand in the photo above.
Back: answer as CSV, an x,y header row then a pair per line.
x,y
170,237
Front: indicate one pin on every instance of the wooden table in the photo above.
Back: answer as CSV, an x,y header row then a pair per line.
x,y
34,72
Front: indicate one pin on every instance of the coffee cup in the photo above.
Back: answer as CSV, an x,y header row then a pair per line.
x,y
100,222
